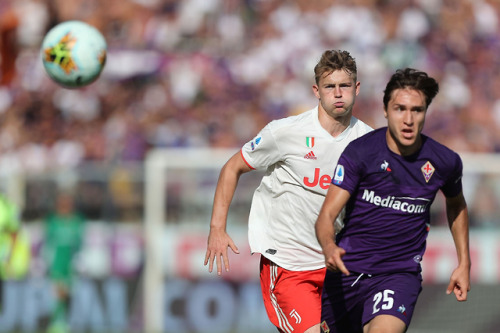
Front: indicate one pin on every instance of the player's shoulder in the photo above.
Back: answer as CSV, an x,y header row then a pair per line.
x,y
290,121
359,126
358,123
366,145
430,143
370,138
439,151
292,125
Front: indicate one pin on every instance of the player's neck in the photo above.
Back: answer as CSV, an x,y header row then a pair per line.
x,y
400,149
334,125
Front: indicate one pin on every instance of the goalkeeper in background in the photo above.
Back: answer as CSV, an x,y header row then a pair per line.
x,y
64,229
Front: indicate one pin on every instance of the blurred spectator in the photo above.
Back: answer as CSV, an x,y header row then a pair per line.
x,y
226,63
9,47
15,250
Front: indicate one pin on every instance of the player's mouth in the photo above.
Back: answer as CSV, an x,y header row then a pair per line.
x,y
407,134
339,104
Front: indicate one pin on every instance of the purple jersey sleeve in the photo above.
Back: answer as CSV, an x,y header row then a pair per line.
x,y
348,181
453,186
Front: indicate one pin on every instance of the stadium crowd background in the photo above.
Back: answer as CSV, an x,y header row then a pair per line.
x,y
211,73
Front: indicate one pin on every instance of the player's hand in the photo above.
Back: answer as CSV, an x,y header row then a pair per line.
x,y
333,259
459,283
218,242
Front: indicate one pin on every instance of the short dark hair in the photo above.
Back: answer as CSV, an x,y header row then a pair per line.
x,y
412,79
332,60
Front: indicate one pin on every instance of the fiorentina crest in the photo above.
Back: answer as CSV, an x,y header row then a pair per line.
x,y
427,171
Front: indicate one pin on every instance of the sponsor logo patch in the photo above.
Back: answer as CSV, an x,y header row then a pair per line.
x,y
339,175
310,156
255,142
402,310
402,204
385,166
310,141
324,327
294,314
271,251
323,181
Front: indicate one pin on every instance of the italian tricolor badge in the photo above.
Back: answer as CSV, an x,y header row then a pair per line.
x,y
310,141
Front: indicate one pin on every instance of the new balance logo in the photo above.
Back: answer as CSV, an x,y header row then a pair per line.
x,y
310,156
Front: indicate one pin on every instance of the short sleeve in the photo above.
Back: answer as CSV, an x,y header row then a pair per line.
x,y
453,185
262,151
347,172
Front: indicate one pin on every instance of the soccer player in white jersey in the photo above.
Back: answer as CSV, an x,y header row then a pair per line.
x,y
298,154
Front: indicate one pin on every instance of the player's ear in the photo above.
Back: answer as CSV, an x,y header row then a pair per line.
x,y
315,90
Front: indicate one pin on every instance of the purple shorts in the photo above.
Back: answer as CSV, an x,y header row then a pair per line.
x,y
350,302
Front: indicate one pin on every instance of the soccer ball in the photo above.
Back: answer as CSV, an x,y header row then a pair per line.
x,y
73,53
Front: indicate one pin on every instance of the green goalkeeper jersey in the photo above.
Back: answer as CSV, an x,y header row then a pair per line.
x,y
63,240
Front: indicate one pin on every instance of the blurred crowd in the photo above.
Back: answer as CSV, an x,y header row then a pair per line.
x,y
212,73
197,73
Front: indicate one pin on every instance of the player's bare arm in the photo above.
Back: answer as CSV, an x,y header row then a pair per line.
x,y
456,209
335,200
218,239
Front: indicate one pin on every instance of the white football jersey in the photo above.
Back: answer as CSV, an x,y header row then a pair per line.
x,y
299,157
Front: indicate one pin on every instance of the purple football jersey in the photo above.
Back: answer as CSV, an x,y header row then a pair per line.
x,y
387,217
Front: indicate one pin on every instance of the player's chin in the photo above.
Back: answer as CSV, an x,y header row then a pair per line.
x,y
407,140
340,112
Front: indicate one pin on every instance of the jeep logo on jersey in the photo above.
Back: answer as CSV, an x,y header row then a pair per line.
x,y
403,204
323,180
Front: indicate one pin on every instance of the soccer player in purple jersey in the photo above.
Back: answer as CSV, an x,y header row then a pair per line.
x,y
387,181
